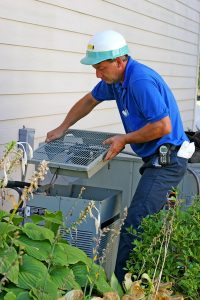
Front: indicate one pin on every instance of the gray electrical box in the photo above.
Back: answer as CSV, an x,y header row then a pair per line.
x,y
189,187
26,135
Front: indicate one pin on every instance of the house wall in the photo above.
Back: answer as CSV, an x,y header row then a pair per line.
x,y
42,42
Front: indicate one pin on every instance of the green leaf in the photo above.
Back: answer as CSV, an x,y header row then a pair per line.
x,y
65,255
17,220
80,273
36,232
24,296
47,291
116,286
15,290
54,217
53,220
64,278
37,249
30,272
5,228
9,264
91,276
10,296
3,214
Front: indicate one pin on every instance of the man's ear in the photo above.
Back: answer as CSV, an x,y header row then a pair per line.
x,y
119,62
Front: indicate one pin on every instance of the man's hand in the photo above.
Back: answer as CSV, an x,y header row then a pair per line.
x,y
55,134
117,143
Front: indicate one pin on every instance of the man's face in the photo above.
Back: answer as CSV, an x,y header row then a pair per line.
x,y
109,71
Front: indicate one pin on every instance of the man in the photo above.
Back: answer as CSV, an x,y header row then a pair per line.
x,y
151,121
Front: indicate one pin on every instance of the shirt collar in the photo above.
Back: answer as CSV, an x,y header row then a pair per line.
x,y
127,72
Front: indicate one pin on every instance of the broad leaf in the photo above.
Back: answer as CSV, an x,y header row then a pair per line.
x,y
65,255
81,273
24,296
47,291
30,272
37,249
36,219
14,289
3,214
17,220
6,228
116,286
9,264
64,278
56,217
10,296
38,233
84,275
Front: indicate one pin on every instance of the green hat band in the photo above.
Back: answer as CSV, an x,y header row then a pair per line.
x,y
93,57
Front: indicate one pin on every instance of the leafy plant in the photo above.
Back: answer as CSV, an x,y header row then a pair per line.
x,y
37,263
168,246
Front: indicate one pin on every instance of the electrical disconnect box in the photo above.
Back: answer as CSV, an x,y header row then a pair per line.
x,y
26,135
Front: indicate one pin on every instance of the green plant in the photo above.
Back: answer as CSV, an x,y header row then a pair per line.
x,y
168,247
36,263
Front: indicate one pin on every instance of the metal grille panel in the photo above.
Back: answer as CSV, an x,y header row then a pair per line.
x,y
78,150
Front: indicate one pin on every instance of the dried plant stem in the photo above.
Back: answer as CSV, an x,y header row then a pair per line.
x,y
28,191
168,233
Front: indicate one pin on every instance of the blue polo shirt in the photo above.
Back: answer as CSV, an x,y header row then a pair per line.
x,y
142,98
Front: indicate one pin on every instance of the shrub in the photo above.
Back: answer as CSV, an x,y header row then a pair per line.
x,y
168,245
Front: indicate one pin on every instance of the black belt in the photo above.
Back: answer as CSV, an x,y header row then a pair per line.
x,y
173,147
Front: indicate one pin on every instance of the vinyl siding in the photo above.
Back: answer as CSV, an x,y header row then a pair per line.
x,y
42,42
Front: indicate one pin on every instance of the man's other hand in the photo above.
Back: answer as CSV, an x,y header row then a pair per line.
x,y
117,143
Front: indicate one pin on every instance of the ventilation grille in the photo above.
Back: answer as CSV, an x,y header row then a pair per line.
x,y
78,150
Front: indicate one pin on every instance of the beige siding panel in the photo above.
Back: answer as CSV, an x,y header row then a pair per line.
x,y
41,43
29,106
168,69
162,55
157,12
9,129
186,105
179,82
188,125
105,10
19,33
187,115
179,8
194,4
183,93
22,82
23,34
116,128
62,18
59,61
36,59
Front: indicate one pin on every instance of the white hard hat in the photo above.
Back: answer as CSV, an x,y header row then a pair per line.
x,y
105,45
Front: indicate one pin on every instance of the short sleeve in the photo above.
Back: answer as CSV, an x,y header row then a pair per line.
x,y
103,91
149,100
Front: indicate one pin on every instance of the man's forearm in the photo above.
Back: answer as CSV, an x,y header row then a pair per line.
x,y
149,132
